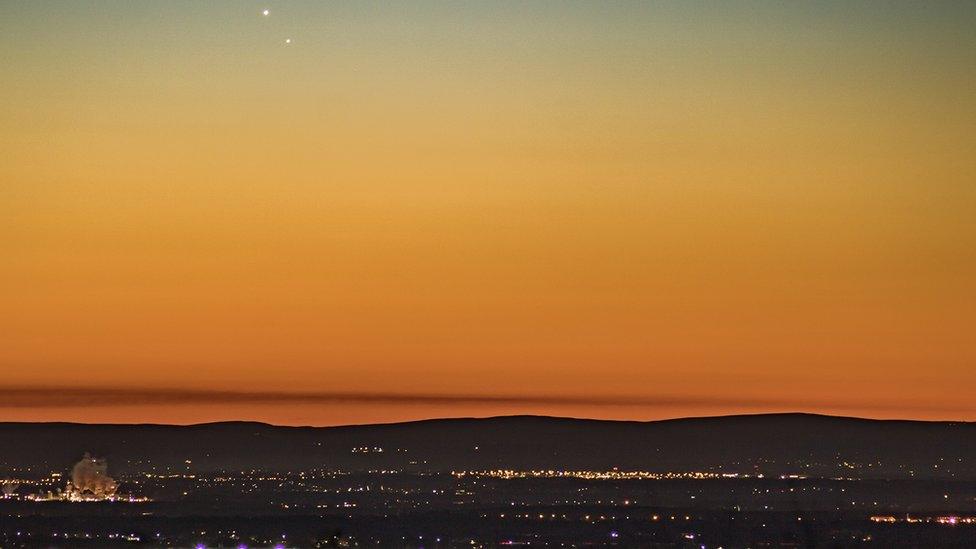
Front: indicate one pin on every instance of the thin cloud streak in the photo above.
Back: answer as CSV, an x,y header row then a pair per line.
x,y
84,397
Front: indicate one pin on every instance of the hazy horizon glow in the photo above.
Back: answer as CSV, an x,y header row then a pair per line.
x,y
693,208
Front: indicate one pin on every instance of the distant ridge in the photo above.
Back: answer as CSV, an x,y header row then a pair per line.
x,y
782,443
505,417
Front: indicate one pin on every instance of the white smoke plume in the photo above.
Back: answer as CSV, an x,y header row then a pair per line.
x,y
9,487
89,477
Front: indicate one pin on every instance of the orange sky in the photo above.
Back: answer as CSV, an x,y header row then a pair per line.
x,y
699,209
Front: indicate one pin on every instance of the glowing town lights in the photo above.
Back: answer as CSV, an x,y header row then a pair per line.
x,y
951,520
507,474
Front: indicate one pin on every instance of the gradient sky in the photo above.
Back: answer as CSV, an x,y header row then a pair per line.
x,y
607,209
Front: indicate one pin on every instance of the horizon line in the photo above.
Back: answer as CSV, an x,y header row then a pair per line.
x,y
495,417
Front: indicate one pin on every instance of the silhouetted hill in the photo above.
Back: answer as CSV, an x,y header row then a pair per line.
x,y
770,444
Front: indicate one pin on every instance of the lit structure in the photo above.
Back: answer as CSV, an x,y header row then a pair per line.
x,y
90,481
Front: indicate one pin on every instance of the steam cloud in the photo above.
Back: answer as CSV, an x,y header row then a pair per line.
x,y
9,487
90,475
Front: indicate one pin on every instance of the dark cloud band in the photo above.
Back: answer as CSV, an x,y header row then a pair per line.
x,y
84,397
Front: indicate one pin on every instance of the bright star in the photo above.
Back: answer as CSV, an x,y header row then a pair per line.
x,y
266,12
287,40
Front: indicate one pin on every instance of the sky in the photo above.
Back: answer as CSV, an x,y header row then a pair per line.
x,y
355,212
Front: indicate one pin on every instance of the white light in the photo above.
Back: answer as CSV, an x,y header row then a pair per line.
x,y
266,12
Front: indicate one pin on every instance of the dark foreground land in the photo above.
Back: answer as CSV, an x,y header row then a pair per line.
x,y
747,481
